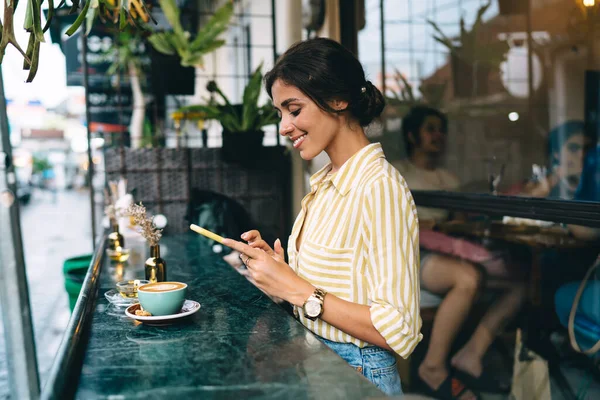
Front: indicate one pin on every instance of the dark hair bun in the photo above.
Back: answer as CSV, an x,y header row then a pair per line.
x,y
370,104
325,71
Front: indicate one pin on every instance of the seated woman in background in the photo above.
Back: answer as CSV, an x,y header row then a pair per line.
x,y
567,143
458,280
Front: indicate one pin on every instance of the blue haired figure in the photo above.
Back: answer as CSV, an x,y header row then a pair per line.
x,y
566,147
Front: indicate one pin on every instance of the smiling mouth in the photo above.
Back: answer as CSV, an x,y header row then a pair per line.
x,y
298,141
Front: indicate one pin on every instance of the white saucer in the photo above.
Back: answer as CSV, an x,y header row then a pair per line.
x,y
189,308
115,298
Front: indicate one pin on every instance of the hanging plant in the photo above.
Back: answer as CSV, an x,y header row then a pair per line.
x,y
123,12
180,42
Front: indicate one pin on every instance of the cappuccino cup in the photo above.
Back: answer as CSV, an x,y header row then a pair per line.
x,y
162,298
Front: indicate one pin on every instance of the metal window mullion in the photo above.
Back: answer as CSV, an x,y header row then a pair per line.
x,y
14,294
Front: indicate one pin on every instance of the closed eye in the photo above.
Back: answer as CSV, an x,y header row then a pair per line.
x,y
295,113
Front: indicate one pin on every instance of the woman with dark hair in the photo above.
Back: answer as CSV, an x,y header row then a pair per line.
x,y
566,147
353,271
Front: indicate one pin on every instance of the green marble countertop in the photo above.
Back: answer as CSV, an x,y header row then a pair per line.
x,y
240,345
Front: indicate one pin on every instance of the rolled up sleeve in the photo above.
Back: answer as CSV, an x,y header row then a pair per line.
x,y
391,233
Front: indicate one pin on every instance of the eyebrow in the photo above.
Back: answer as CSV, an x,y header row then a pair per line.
x,y
286,102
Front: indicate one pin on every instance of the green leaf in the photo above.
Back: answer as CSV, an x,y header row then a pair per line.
x,y
445,42
91,15
122,18
179,42
35,59
479,19
267,116
80,18
210,111
28,23
250,99
29,52
74,8
37,20
214,45
160,42
189,59
50,15
216,25
171,11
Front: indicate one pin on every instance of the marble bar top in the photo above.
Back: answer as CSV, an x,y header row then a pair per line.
x,y
240,345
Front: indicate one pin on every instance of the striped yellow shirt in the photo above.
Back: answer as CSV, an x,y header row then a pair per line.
x,y
360,242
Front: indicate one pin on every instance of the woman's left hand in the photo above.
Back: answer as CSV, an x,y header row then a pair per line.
x,y
272,274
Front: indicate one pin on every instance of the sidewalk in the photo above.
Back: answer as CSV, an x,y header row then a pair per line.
x,y
52,231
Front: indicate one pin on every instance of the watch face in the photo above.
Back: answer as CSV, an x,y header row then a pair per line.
x,y
313,308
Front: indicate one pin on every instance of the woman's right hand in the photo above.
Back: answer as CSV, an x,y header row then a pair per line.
x,y
541,188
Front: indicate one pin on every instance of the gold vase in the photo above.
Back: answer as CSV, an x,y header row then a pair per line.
x,y
115,239
156,267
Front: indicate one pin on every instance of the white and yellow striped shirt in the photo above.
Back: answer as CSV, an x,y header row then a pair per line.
x,y
360,242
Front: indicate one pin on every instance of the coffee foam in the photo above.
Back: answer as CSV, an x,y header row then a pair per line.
x,y
162,287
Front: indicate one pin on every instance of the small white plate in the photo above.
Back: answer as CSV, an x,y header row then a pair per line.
x,y
189,308
115,298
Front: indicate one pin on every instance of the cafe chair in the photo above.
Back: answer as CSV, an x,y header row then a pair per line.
x,y
577,305
219,214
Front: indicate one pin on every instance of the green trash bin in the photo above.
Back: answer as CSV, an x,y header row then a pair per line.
x,y
74,270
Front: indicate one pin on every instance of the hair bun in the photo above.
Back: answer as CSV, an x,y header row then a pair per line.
x,y
370,105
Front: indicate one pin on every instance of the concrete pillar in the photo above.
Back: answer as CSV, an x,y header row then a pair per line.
x,y
331,25
289,31
331,30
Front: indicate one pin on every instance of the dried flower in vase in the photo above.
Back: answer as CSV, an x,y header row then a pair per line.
x,y
116,199
146,227
109,207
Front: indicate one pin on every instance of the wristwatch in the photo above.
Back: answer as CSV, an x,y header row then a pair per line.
x,y
313,306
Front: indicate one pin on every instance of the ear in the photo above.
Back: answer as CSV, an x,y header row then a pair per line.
x,y
339,105
411,138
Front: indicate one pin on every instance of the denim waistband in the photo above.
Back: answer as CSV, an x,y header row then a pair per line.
x,y
376,364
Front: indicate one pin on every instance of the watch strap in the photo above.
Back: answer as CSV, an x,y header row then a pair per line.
x,y
319,295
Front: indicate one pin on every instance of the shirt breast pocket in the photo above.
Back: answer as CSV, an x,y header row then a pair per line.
x,y
329,268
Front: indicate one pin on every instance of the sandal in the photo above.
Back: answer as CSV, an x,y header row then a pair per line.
x,y
450,389
485,383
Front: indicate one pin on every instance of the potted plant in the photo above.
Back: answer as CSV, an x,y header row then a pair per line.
x,y
128,55
403,97
242,123
180,42
472,59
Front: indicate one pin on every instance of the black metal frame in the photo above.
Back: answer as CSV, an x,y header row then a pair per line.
x,y
66,367
562,211
24,381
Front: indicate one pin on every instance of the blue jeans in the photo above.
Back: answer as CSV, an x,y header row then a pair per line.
x,y
376,364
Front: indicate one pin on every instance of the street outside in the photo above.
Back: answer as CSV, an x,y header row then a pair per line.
x,y
54,228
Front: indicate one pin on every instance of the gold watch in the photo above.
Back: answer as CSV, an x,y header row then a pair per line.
x,y
313,306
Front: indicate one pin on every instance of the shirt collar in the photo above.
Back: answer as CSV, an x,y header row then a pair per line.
x,y
344,179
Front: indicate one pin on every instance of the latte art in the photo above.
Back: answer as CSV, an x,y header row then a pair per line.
x,y
162,287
